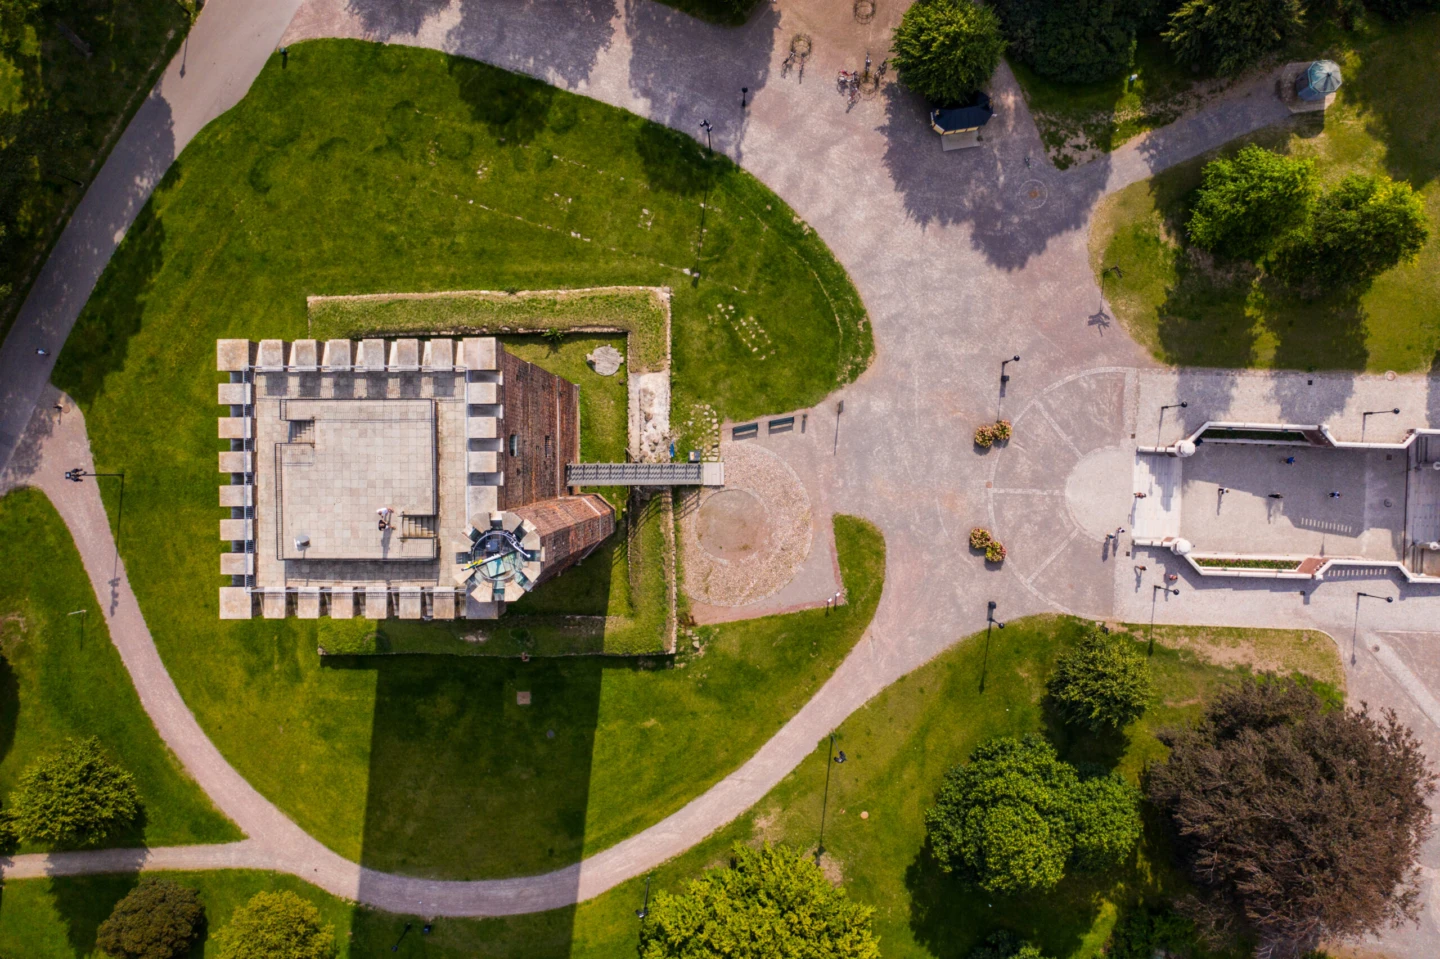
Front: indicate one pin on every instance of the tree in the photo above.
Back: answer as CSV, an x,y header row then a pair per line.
x,y
945,50
158,919
1073,41
276,925
1013,818
1004,944
1361,228
1245,204
74,798
771,903
1299,820
1103,683
1226,36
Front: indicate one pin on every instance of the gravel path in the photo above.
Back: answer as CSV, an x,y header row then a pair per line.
x,y
961,258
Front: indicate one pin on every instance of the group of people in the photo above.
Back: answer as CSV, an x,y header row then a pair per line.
x,y
385,513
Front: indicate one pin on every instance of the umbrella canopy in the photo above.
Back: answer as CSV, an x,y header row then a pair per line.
x,y
1320,80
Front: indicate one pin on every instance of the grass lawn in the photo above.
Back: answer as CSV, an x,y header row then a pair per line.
x,y
352,171
61,112
898,746
61,678
1187,310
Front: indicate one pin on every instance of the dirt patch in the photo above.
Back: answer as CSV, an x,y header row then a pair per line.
x,y
1283,651
12,631
833,869
732,525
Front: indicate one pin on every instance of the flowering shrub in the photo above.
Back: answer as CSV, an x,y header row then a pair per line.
x,y
1000,431
980,538
995,551
985,436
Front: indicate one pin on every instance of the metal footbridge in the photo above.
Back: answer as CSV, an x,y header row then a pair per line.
x,y
645,474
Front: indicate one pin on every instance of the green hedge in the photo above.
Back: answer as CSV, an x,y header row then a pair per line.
x,y
642,313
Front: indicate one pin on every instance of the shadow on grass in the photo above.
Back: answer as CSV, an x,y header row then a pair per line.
x,y
9,703
99,343
950,917
86,901
1394,98
513,108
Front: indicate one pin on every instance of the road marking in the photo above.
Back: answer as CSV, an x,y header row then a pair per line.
x,y
1055,555
1395,666
1049,419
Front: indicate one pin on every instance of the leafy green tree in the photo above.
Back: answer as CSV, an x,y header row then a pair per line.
x,y
1013,818
1299,820
1245,204
945,50
1364,226
1072,41
1226,36
1105,819
1103,683
158,919
771,903
1004,944
77,797
276,925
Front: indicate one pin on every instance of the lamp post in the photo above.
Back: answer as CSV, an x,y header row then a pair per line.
x,y
403,933
1355,630
1005,377
990,623
744,92
705,125
84,614
78,474
1365,417
1119,275
644,910
1170,592
834,760
1183,404
839,409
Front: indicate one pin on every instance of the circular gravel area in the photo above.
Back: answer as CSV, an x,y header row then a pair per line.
x,y
732,525
747,539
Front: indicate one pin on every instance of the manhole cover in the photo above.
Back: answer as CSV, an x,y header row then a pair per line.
x,y
1033,194
732,525
864,11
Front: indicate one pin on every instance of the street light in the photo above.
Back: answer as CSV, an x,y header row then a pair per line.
x,y
1169,591
1365,417
825,802
1119,275
1183,404
78,474
705,125
644,910
403,933
1355,630
1005,377
84,615
990,622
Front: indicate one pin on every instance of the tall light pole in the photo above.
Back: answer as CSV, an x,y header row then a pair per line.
x,y
78,474
1365,417
1005,377
84,615
1355,630
705,125
1169,592
644,910
834,760
990,622
1183,404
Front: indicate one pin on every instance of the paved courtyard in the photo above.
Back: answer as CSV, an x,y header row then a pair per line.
x,y
1366,520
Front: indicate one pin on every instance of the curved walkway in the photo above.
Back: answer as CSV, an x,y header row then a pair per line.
x,y
904,219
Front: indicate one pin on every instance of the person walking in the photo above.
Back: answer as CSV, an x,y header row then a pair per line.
x,y
41,352
1276,496
1141,495
1289,461
1335,494
385,513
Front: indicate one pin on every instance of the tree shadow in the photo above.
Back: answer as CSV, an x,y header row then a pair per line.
x,y
1325,333
1393,97
514,108
391,20
99,342
1014,199
9,705
950,917
556,40
1080,747
86,901
1204,320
